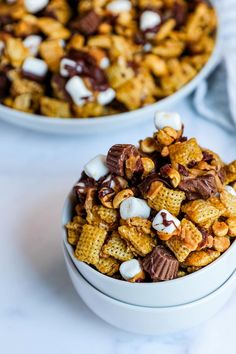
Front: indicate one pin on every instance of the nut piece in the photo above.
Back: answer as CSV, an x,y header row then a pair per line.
x,y
148,166
148,145
221,243
220,228
231,222
121,196
170,172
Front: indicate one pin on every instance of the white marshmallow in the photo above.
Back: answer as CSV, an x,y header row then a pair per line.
x,y
34,6
134,207
104,63
96,168
106,96
149,20
35,67
159,222
230,190
2,46
164,119
130,269
10,1
66,62
78,91
32,42
147,47
118,6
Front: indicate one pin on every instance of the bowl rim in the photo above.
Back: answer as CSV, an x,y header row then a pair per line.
x,y
123,304
209,66
69,201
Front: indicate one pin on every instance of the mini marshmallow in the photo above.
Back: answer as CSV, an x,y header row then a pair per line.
x,y
147,47
118,6
35,66
130,269
164,119
32,42
165,222
230,190
104,63
78,91
64,63
96,168
149,20
134,207
105,97
34,6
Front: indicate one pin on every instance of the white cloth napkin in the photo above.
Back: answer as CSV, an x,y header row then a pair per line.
x,y
215,98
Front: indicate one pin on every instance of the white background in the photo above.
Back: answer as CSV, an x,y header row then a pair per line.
x,y
40,311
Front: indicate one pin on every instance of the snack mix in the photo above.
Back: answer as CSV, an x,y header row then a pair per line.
x,y
155,212
89,58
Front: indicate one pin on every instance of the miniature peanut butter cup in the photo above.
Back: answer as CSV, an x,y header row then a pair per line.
x,y
160,264
117,155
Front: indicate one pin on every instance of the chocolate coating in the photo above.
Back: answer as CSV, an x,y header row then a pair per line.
x,y
160,264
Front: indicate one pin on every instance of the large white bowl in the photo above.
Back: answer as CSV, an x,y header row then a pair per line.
x,y
169,293
149,320
108,123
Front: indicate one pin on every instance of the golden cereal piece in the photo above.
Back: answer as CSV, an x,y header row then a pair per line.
x,y
231,222
187,242
165,198
117,248
192,269
27,26
220,228
201,258
90,109
201,212
90,244
103,217
74,229
183,153
230,171
108,266
60,9
101,41
178,248
142,243
169,48
52,28
165,30
121,196
155,64
221,243
76,42
166,136
52,52
16,52
23,86
119,73
215,201
229,201
52,107
142,225
26,102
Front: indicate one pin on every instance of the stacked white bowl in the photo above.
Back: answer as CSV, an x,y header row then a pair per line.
x,y
152,308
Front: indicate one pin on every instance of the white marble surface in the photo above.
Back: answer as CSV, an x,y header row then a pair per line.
x,y
39,309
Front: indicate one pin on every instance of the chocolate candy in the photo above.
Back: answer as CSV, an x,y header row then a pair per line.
x,y
88,24
199,187
161,264
117,155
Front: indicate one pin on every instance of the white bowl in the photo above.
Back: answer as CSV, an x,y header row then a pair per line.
x,y
112,122
169,293
149,320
